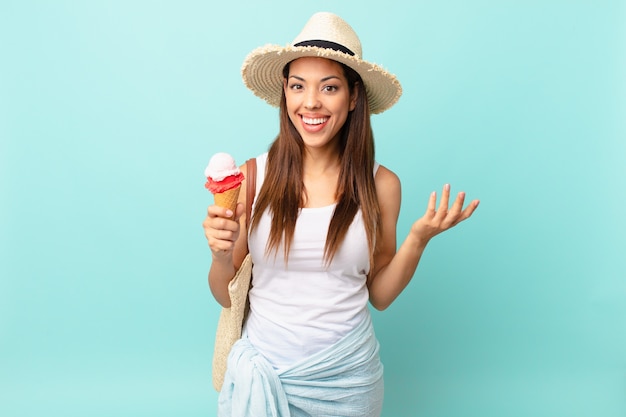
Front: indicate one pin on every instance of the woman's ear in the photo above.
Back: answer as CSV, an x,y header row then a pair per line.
x,y
353,96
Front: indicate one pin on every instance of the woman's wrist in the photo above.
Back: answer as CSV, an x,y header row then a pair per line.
x,y
223,265
416,241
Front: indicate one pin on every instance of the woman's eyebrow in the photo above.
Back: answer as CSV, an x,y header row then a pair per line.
x,y
330,77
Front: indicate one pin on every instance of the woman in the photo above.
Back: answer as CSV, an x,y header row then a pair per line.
x,y
322,234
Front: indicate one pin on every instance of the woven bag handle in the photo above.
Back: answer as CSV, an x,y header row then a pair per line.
x,y
250,188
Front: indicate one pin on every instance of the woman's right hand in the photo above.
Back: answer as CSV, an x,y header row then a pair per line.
x,y
222,231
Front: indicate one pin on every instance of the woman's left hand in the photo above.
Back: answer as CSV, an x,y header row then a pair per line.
x,y
437,220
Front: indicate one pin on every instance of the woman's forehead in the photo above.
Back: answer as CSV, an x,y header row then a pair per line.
x,y
315,64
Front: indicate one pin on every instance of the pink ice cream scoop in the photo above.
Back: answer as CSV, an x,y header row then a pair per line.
x,y
223,180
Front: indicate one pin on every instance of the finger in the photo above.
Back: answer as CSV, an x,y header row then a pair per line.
x,y
239,211
214,224
432,203
469,210
225,236
455,215
445,199
457,206
218,245
217,211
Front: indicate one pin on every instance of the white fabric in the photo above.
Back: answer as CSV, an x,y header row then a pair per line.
x,y
346,379
304,306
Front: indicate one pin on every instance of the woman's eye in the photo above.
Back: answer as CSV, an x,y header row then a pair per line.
x,y
330,88
295,86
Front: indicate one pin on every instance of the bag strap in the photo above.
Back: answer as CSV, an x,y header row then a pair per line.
x,y
250,188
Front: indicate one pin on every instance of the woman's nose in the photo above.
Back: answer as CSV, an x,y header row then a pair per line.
x,y
311,101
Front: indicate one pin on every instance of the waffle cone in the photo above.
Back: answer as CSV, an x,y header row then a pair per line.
x,y
228,199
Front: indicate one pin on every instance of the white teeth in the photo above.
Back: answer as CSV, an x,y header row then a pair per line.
x,y
317,121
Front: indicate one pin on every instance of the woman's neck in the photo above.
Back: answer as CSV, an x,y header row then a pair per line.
x,y
318,162
320,179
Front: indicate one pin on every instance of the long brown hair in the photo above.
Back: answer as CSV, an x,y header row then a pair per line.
x,y
283,188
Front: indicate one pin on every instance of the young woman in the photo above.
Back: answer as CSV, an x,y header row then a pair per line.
x,y
322,234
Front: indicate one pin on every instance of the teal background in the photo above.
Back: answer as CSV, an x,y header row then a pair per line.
x,y
109,111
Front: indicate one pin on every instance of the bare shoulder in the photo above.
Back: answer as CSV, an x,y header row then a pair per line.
x,y
388,185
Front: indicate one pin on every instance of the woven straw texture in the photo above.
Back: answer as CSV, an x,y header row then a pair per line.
x,y
262,68
231,320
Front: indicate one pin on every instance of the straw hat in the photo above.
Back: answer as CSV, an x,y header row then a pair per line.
x,y
325,35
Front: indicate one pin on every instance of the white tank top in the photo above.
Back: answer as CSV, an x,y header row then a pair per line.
x,y
305,306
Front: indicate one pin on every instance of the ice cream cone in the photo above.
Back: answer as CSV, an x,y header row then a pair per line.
x,y
228,199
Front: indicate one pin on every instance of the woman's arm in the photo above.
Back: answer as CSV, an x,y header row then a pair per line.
x,y
393,270
228,241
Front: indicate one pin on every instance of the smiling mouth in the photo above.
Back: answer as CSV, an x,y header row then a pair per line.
x,y
314,121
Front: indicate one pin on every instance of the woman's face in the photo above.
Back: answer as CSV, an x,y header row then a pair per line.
x,y
318,99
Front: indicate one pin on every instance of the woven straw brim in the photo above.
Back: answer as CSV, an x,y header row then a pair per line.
x,y
262,72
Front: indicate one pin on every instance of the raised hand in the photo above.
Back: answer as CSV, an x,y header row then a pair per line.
x,y
437,220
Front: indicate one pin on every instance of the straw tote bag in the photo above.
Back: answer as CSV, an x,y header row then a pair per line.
x,y
231,319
